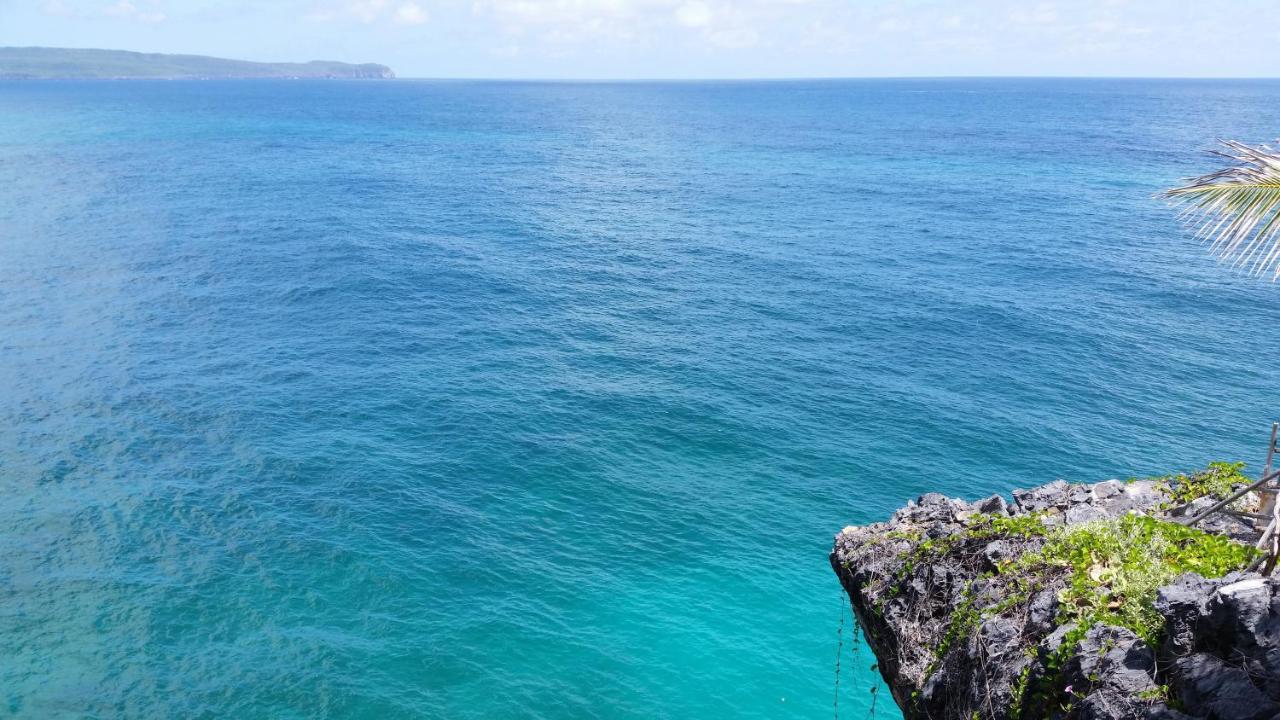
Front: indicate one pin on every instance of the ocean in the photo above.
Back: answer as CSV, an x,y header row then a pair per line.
x,y
544,400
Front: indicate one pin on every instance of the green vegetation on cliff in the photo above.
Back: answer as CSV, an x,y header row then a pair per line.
x,y
1114,567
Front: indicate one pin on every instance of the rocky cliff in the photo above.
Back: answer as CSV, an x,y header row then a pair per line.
x,y
1073,601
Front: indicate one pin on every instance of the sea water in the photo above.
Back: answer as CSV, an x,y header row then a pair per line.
x,y
540,400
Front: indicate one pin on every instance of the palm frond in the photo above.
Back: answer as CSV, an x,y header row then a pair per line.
x,y
1237,210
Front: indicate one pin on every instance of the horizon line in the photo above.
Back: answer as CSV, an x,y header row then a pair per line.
x,y
797,78
569,79
816,78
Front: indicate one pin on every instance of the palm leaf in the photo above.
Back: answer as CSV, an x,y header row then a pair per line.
x,y
1237,210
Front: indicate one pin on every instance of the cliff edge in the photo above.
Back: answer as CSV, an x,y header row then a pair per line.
x,y
1073,601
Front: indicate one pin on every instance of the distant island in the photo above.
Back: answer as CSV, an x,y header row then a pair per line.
x,y
39,63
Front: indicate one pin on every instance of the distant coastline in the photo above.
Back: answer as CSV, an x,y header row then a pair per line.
x,y
40,63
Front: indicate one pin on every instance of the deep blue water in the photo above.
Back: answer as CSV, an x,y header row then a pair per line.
x,y
489,400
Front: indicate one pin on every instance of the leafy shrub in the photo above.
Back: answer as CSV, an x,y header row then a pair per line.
x,y
1217,480
1116,566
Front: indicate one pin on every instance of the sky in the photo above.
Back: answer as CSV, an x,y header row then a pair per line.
x,y
685,39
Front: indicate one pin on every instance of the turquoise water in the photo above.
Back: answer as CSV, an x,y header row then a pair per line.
x,y
486,400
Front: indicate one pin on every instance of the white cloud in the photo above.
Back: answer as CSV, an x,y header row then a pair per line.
x,y
735,38
411,13
370,12
693,14
129,11
565,12
803,36
55,7
892,25
124,8
366,11
1041,14
718,24
561,23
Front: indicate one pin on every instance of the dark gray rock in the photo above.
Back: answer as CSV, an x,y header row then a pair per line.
x,y
999,635
1042,611
1107,489
1225,634
1054,495
1115,672
1182,603
931,508
1083,513
997,551
1054,640
1077,494
994,505
1219,659
1208,687
1140,495
1160,711
934,499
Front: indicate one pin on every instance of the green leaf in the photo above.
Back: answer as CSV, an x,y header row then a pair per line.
x,y
1237,209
